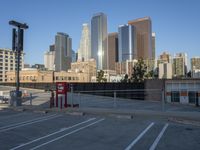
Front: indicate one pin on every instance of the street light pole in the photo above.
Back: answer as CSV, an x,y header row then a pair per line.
x,y
17,47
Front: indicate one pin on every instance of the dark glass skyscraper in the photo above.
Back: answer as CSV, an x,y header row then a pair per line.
x,y
99,40
63,48
127,43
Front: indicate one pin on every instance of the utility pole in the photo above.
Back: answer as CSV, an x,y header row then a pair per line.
x,y
17,47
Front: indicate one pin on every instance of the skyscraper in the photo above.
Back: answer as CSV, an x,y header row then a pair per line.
x,y
99,40
195,67
127,43
144,37
49,60
8,61
195,63
180,65
84,51
153,45
164,58
63,48
112,50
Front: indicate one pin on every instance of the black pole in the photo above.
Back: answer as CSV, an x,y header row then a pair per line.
x,y
18,47
18,69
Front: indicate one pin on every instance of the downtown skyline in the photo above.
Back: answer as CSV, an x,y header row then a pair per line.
x,y
176,29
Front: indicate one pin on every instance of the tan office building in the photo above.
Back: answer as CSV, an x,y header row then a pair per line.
x,y
144,37
37,76
112,50
195,63
30,75
87,67
8,62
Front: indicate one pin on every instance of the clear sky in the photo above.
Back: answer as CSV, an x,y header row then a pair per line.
x,y
175,22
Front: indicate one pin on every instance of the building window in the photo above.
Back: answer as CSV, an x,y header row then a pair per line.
x,y
42,78
175,96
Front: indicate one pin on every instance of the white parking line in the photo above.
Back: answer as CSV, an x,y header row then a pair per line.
x,y
15,124
28,123
61,130
10,116
139,137
60,137
155,143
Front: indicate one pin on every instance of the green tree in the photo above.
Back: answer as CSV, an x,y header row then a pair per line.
x,y
139,71
100,76
189,74
125,79
150,74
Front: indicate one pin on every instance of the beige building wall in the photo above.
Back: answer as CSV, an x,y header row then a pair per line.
x,y
64,76
8,62
87,67
30,76
49,58
165,71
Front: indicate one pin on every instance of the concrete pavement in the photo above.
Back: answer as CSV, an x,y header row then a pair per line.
x,y
28,130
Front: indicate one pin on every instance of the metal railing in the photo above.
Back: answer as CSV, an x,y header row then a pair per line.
x,y
149,99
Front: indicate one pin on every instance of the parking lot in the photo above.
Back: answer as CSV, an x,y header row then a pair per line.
x,y
28,130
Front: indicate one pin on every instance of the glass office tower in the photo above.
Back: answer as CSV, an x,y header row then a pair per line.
x,y
84,51
144,37
127,43
63,48
99,40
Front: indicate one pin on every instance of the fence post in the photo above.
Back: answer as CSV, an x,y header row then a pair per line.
x,y
115,105
79,97
72,95
163,100
61,102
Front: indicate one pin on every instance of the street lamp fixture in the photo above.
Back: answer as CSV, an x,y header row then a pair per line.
x,y
17,47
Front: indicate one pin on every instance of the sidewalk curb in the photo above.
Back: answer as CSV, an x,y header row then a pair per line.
x,y
118,113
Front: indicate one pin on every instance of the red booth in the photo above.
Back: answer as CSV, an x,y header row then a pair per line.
x,y
61,89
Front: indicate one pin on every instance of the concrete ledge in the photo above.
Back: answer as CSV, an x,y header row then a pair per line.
x,y
75,113
122,116
41,111
184,121
195,116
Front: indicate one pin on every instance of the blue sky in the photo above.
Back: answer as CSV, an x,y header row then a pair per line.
x,y
175,22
